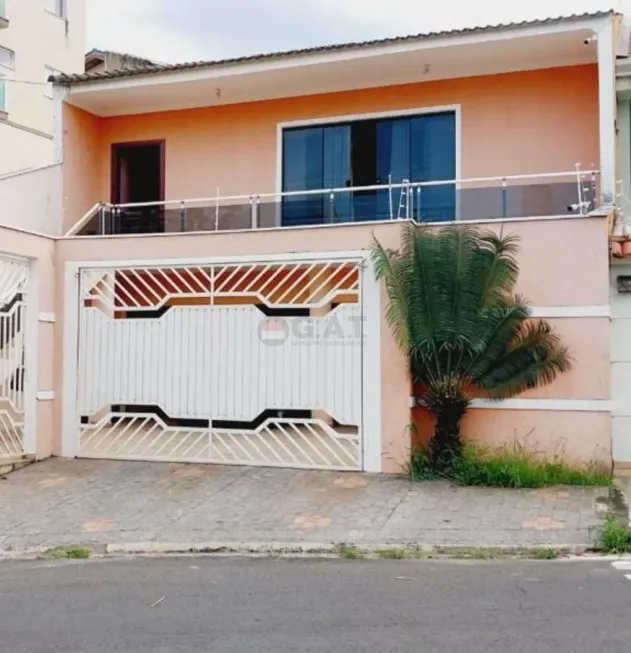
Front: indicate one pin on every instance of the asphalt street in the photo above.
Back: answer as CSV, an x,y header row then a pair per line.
x,y
234,605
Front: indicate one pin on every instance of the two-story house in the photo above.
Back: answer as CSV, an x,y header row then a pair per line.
x,y
216,216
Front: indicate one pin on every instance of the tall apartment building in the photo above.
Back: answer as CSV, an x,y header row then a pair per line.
x,y
37,38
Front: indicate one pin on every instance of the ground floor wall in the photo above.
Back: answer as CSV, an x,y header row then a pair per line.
x,y
564,275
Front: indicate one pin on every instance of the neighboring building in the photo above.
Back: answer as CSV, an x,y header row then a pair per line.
x,y
37,38
620,272
219,217
100,61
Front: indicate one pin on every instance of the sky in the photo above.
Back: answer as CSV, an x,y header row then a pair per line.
x,y
186,30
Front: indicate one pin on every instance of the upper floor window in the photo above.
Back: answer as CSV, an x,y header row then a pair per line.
x,y
57,7
370,153
7,58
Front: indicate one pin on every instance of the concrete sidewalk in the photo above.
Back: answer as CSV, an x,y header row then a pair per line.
x,y
62,502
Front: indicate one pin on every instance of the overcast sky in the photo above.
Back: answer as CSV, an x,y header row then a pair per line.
x,y
184,30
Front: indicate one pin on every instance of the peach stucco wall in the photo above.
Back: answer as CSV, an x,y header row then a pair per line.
x,y
562,262
40,250
519,123
82,156
572,436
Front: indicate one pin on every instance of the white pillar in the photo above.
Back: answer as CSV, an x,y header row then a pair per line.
x,y
624,160
59,95
607,113
30,379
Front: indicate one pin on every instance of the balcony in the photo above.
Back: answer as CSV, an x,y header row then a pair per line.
x,y
4,21
483,199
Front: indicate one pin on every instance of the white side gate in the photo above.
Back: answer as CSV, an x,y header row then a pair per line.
x,y
249,363
14,277
620,348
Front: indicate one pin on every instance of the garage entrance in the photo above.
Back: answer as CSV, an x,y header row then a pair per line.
x,y
251,363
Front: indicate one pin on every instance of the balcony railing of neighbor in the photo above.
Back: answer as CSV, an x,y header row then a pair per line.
x,y
483,198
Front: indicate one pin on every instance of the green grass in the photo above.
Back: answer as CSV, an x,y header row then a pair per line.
x,y
481,553
350,553
509,468
457,553
614,536
391,554
72,553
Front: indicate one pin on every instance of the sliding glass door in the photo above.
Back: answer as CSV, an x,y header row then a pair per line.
x,y
370,153
433,158
316,158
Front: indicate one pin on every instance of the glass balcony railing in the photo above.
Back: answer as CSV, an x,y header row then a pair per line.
x,y
482,199
3,9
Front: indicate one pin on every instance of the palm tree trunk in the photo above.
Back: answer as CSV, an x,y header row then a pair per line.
x,y
446,446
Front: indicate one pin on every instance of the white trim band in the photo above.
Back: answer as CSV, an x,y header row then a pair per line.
x,y
559,405
564,405
571,311
49,318
74,267
45,395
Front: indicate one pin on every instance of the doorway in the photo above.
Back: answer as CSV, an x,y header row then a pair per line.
x,y
137,177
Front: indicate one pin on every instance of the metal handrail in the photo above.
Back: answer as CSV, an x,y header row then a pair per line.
x,y
408,186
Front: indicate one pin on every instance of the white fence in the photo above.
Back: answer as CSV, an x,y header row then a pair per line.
x,y
249,363
14,277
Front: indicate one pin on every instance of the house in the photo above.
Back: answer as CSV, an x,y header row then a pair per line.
x,y
211,298
26,109
99,61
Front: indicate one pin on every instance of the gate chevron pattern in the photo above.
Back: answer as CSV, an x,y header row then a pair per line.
x,y
282,285
282,443
13,285
254,363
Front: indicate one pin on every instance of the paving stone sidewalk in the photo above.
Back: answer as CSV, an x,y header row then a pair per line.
x,y
62,502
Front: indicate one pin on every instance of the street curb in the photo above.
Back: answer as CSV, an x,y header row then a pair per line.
x,y
300,549
319,548
267,548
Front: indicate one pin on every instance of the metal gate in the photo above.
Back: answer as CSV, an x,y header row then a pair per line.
x,y
254,363
14,275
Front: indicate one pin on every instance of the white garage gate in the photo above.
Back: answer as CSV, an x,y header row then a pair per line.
x,y
257,363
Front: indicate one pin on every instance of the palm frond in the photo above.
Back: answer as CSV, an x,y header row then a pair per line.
x,y
500,278
387,267
453,309
535,357
498,325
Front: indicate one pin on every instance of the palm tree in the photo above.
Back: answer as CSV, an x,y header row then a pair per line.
x,y
454,311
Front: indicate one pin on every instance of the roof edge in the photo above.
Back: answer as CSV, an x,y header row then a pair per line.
x,y
69,80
